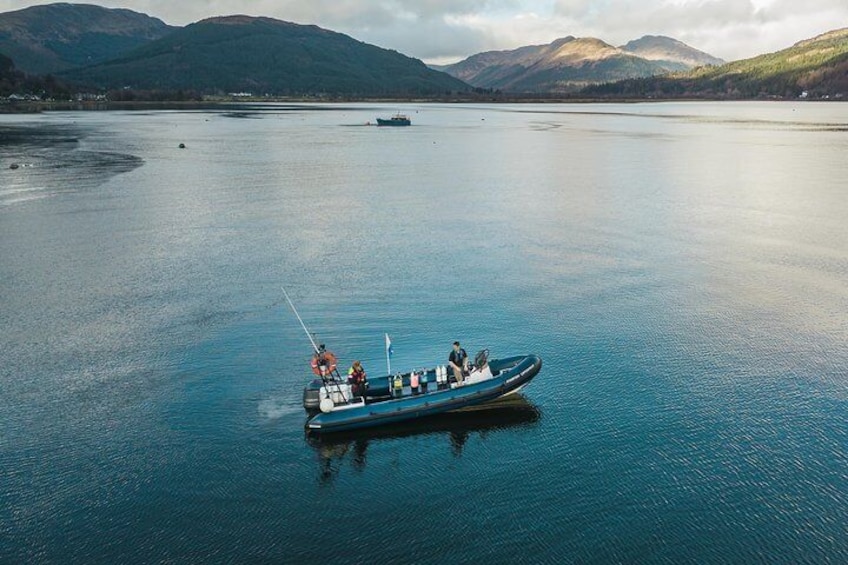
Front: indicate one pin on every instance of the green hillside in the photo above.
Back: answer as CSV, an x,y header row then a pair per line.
x,y
53,37
265,56
817,67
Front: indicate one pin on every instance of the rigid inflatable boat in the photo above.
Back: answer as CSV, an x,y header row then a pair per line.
x,y
334,405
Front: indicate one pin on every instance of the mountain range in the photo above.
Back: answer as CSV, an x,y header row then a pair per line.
x,y
814,68
120,51
571,63
263,55
104,49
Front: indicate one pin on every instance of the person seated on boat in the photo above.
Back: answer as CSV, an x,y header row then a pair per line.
x,y
323,362
458,361
356,378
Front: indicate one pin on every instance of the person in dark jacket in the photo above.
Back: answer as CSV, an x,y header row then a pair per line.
x,y
458,361
356,378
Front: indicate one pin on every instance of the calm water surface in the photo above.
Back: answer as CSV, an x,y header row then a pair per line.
x,y
682,269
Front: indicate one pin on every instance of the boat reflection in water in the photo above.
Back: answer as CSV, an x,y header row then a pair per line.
x,y
513,411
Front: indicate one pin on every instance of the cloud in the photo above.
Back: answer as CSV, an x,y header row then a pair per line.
x,y
453,29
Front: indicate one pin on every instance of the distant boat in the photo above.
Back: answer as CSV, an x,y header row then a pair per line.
x,y
396,120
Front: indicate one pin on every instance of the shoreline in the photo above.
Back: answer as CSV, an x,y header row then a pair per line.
x,y
37,107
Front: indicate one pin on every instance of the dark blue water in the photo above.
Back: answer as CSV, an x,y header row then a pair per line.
x,y
682,269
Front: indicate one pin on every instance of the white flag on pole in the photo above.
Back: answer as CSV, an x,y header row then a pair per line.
x,y
389,352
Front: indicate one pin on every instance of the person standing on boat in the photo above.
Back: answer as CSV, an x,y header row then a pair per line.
x,y
458,361
356,378
323,362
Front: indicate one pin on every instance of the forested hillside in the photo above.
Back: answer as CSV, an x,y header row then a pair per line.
x,y
266,56
15,82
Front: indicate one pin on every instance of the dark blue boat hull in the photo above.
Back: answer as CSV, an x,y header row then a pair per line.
x,y
381,412
393,122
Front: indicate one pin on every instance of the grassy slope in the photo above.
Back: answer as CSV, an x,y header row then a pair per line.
x,y
818,66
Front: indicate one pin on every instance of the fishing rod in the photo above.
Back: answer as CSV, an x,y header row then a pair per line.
x,y
328,378
309,335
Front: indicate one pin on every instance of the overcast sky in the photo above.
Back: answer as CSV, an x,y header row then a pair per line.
x,y
449,30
